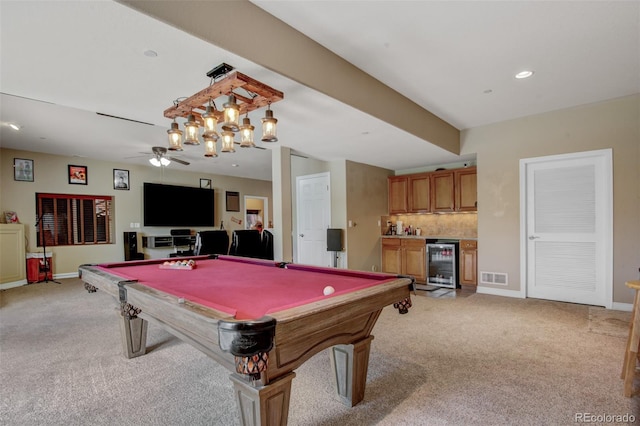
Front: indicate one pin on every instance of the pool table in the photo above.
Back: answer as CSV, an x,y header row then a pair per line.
x,y
259,318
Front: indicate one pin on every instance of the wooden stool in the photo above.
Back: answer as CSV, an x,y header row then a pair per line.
x,y
632,354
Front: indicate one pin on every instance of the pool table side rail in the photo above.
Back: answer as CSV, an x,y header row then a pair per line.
x,y
191,322
304,331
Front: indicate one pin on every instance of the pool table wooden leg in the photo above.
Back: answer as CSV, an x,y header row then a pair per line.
x,y
133,331
263,405
349,364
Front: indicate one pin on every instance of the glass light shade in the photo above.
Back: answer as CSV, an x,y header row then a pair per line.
x,y
191,131
246,134
155,162
269,127
175,137
164,161
209,146
210,122
227,141
231,115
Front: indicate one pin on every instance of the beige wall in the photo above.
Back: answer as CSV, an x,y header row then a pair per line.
x,y
367,199
50,175
613,124
358,193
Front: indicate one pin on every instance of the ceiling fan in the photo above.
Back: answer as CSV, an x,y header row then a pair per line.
x,y
160,157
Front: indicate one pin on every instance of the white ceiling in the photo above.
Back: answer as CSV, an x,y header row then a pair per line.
x,y
61,62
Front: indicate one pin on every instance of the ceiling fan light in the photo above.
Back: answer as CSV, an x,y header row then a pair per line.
x,y
231,115
246,134
210,122
269,127
227,141
164,161
155,162
209,146
191,131
175,137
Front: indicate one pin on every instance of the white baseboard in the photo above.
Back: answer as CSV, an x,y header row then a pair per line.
x,y
6,286
500,292
622,306
67,275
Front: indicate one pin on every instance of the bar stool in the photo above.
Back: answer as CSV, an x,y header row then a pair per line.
x,y
632,353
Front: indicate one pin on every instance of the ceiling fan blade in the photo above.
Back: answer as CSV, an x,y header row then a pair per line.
x,y
177,160
256,146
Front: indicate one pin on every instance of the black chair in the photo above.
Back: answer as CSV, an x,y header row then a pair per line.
x,y
267,245
212,242
246,243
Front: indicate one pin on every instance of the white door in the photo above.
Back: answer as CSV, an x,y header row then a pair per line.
x,y
567,236
314,217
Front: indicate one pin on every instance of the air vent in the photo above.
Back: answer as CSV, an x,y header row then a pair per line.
x,y
122,118
495,278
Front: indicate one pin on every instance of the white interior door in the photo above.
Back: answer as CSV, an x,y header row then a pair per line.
x,y
567,235
314,217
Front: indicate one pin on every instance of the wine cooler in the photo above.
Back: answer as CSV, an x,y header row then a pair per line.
x,y
442,264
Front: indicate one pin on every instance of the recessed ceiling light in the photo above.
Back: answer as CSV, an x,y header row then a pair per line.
x,y
234,165
14,126
524,74
150,53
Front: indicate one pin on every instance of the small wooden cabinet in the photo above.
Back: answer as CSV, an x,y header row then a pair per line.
x,y
398,194
405,256
419,193
13,262
443,191
466,189
431,192
468,262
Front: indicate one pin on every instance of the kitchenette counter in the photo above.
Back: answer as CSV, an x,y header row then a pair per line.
x,y
428,237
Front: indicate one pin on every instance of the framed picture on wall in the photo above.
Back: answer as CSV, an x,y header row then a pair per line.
x,y
23,170
77,175
233,201
121,179
205,183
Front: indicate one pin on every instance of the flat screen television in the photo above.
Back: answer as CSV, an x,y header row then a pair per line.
x,y
172,205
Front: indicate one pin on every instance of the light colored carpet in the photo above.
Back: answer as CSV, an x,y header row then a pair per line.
x,y
479,360
609,322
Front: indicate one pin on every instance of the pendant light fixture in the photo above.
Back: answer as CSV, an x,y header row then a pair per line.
x,y
227,141
231,114
242,94
175,137
191,131
269,126
209,146
210,122
246,133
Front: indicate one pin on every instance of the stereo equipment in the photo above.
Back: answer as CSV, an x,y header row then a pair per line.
x,y
334,239
131,247
180,232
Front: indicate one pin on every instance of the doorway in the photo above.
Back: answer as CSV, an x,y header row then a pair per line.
x,y
256,209
313,208
566,239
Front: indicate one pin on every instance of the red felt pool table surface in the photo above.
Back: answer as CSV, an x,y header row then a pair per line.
x,y
246,288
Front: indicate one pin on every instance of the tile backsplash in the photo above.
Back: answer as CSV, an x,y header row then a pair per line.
x,y
453,225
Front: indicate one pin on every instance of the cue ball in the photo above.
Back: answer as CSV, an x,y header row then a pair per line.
x,y
328,290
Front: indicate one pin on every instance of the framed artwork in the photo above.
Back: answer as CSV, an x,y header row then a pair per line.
x,y
233,201
121,179
205,183
77,175
23,169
